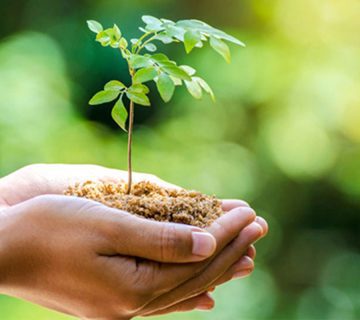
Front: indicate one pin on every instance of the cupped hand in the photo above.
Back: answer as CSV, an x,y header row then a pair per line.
x,y
39,179
80,257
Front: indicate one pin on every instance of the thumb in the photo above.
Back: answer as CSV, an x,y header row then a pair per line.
x,y
161,241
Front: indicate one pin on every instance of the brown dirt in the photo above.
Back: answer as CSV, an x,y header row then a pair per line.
x,y
153,202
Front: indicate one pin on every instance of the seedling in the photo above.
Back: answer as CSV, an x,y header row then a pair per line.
x,y
157,67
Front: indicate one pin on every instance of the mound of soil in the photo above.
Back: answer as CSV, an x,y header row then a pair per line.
x,y
151,201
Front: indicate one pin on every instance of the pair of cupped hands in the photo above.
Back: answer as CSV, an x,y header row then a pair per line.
x,y
82,258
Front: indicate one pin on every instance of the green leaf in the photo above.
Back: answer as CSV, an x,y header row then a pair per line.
x,y
160,57
152,24
139,88
194,89
94,26
103,38
175,32
167,63
221,47
123,44
117,31
164,38
137,61
165,86
114,37
145,74
203,84
153,28
199,45
176,81
138,98
109,36
189,70
120,114
207,30
167,21
114,85
151,47
151,20
191,39
175,71
103,97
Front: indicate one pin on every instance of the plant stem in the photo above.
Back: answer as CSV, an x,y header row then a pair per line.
x,y
131,123
137,44
139,48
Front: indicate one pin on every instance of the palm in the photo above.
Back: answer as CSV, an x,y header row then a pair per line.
x,y
36,180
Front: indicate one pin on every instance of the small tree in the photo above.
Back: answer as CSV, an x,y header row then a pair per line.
x,y
144,67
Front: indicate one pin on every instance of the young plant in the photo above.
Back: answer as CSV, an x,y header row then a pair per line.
x,y
157,67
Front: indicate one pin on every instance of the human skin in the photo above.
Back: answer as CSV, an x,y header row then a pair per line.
x,y
82,258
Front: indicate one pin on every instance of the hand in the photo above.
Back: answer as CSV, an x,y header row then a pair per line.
x,y
91,258
39,179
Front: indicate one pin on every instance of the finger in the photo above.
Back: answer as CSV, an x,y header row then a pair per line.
x,y
251,252
201,302
240,269
157,241
229,204
224,230
228,226
122,233
214,271
261,221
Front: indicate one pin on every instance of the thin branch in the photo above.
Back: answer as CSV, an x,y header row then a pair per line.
x,y
146,42
138,43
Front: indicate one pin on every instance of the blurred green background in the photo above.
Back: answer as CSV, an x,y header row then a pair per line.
x,y
283,135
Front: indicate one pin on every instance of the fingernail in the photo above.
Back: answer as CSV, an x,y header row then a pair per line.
x,y
262,222
205,306
258,225
245,263
251,252
241,274
204,244
247,211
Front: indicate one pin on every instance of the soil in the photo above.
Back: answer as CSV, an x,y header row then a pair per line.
x,y
151,201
